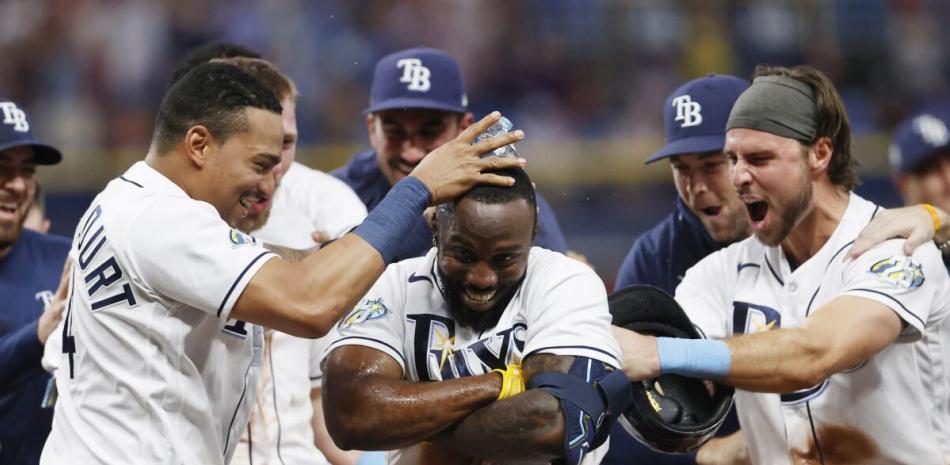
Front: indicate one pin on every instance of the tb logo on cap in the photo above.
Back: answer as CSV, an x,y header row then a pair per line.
x,y
932,130
687,111
14,116
413,73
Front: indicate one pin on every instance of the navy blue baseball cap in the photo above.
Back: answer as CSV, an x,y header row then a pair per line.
x,y
919,137
418,78
695,115
16,131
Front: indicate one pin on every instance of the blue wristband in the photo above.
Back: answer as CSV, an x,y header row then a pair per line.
x,y
394,218
696,358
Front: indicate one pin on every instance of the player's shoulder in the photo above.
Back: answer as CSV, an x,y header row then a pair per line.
x,y
549,266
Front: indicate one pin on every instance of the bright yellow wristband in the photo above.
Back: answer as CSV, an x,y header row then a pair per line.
x,y
933,215
512,381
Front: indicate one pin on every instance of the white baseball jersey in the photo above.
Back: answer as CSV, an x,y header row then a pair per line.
x,y
560,308
279,431
898,398
331,206
152,370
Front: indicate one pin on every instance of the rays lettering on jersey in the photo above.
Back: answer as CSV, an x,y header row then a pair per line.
x,y
751,318
437,358
105,281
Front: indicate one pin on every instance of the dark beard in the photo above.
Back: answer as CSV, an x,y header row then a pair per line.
x,y
463,316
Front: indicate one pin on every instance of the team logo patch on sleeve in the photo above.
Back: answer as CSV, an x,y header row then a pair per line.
x,y
238,238
902,272
368,309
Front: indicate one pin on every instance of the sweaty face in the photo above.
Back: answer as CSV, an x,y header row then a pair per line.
x,y
17,186
402,138
259,212
241,169
771,177
482,257
703,182
929,182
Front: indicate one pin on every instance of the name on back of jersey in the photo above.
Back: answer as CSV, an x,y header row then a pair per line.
x,y
104,281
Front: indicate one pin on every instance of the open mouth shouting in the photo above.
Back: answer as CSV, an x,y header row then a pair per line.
x,y
254,202
757,210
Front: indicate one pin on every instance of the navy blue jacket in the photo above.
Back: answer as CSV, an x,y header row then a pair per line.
x,y
29,276
363,175
661,256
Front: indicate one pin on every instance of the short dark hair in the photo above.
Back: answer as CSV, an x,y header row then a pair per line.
x,y
208,52
832,120
213,95
523,188
264,71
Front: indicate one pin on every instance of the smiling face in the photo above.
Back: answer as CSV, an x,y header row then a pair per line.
x,y
482,257
771,176
240,171
402,138
259,212
702,181
17,186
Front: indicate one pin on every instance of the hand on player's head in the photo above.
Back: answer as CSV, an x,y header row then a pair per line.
x,y
457,166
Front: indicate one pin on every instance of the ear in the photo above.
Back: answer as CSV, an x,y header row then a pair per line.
x,y
198,141
466,121
819,156
370,119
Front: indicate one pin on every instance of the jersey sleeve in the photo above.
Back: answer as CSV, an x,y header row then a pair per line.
x,y
914,287
567,313
182,251
377,320
706,293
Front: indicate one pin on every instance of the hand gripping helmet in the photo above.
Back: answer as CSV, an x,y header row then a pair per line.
x,y
671,413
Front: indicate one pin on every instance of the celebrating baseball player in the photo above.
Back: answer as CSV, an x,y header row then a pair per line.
x,y
430,362
31,267
707,216
160,349
417,103
836,360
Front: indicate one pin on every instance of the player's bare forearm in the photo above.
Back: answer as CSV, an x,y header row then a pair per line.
x,y
840,334
526,428
368,406
306,298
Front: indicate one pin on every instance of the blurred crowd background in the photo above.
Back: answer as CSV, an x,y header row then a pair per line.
x,y
585,79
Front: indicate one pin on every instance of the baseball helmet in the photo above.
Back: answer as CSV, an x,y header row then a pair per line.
x,y
671,413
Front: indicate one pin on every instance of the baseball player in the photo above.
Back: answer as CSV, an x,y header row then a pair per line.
x,y
332,208
160,347
31,265
285,416
418,364
835,360
707,216
417,103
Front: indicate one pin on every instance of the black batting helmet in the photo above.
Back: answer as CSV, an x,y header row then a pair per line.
x,y
671,413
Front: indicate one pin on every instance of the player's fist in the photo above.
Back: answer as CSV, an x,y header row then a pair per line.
x,y
452,169
512,381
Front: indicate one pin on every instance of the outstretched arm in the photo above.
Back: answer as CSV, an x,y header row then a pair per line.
x,y
526,428
782,360
917,224
369,406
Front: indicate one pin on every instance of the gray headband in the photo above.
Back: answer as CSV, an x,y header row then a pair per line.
x,y
778,105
